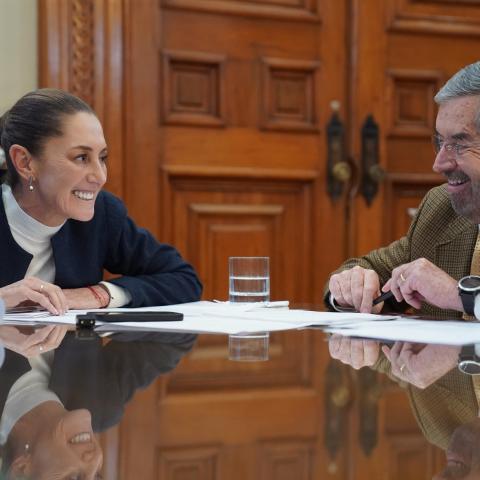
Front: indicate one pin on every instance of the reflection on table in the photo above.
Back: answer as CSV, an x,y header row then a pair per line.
x,y
53,404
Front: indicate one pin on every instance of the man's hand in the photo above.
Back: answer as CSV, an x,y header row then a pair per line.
x,y
32,290
357,353
421,280
421,365
356,287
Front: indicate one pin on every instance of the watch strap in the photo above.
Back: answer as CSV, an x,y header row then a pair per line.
x,y
468,301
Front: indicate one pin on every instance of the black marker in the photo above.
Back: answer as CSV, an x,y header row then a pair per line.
x,y
384,296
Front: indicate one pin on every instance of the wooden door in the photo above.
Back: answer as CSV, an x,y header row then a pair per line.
x,y
227,150
405,51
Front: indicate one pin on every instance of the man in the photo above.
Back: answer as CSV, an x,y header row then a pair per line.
x,y
422,269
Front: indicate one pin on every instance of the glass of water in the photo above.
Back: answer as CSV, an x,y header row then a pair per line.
x,y
249,281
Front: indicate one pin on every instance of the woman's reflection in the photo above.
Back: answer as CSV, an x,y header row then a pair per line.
x,y
50,442
53,403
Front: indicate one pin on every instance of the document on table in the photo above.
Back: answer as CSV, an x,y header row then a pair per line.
x,y
210,317
414,330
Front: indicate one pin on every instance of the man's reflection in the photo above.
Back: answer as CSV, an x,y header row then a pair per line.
x,y
463,454
52,404
442,398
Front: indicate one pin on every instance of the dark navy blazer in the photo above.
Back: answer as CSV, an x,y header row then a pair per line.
x,y
153,273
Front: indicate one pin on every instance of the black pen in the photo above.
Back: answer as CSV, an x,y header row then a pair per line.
x,y
383,297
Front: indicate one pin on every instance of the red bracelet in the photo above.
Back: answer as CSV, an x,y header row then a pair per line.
x,y
101,300
106,291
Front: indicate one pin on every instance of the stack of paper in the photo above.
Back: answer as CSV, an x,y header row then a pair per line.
x,y
225,318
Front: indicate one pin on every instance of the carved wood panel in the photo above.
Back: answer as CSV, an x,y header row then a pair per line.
x,y
213,219
412,109
289,95
82,47
286,460
189,464
194,90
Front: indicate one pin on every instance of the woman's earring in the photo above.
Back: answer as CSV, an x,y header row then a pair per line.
x,y
30,184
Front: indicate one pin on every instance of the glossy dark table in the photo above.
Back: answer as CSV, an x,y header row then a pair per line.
x,y
144,405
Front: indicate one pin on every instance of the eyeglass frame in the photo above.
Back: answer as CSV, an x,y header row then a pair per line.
x,y
458,149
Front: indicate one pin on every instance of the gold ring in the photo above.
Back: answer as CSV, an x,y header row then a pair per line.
x,y
402,368
41,286
402,278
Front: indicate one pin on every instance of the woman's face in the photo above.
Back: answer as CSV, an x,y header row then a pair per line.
x,y
67,451
70,172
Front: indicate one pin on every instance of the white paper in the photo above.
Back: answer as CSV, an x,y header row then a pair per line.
x,y
225,318
210,317
415,331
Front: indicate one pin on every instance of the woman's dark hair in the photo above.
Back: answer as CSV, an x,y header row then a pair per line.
x,y
35,118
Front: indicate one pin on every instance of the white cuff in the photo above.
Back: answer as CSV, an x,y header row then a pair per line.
x,y
337,307
119,296
476,307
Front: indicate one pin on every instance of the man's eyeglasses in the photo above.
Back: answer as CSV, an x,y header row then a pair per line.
x,y
458,149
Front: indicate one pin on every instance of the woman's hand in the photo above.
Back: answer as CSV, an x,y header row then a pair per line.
x,y
33,291
30,342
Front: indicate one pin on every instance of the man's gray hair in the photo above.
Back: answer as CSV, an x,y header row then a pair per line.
x,y
464,83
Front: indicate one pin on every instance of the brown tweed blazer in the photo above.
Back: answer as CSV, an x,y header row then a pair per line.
x,y
438,234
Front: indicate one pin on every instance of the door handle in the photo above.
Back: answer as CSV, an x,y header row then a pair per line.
x,y
339,170
373,174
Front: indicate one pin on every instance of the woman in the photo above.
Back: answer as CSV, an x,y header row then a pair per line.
x,y
59,231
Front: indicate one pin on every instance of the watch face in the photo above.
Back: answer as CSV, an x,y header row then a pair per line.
x,y
470,367
471,282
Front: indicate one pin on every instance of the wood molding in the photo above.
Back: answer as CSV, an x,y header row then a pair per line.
x,y
240,172
305,14
412,16
415,178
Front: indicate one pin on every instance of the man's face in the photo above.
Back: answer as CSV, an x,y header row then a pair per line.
x,y
456,125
